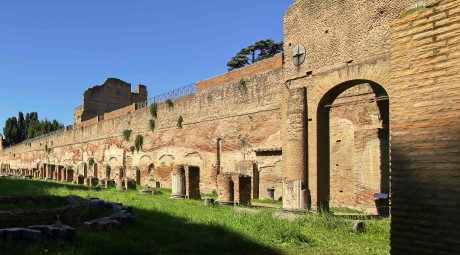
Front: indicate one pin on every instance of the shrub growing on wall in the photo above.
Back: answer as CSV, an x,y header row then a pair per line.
x,y
154,109
90,162
242,85
179,121
127,134
152,124
138,142
169,103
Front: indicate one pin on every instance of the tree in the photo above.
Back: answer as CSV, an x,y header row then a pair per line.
x,y
21,126
253,53
17,130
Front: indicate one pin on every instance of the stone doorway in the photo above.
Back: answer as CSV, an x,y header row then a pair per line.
x,y
194,182
95,170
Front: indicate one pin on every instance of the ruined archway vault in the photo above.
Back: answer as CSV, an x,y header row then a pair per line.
x,y
303,98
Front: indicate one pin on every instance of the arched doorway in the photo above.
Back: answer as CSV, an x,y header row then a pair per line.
x,y
95,170
353,146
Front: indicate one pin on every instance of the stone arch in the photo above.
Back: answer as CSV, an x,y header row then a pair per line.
x,y
82,168
323,142
134,173
118,172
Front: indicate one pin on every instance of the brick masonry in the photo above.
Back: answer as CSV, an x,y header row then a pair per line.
x,y
425,137
319,132
240,73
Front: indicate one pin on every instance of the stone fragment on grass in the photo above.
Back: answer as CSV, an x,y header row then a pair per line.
x,y
63,232
122,217
101,224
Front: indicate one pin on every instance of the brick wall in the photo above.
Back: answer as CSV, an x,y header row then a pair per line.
x,y
120,112
237,74
425,137
87,122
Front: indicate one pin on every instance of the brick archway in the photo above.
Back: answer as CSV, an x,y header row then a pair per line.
x,y
365,179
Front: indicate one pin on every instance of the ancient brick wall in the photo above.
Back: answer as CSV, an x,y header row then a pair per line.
x,y
120,112
425,128
113,94
346,44
240,73
243,119
356,163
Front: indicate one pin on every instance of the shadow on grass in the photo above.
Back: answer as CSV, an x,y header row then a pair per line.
x,y
17,187
160,233
153,232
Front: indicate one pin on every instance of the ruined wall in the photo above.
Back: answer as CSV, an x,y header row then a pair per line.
x,y
113,94
425,143
243,119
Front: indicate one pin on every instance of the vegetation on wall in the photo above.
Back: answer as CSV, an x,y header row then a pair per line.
x,y
152,124
169,103
179,121
253,53
91,162
242,85
154,110
47,149
139,142
127,134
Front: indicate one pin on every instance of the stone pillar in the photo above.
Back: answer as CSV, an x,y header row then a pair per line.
x,y
69,175
225,189
244,187
294,158
178,182
48,171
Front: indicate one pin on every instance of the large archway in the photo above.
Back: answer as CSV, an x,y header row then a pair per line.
x,y
353,146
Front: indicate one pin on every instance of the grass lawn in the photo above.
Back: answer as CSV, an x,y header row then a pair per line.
x,y
168,226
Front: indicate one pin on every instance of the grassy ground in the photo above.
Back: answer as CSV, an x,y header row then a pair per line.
x,y
168,226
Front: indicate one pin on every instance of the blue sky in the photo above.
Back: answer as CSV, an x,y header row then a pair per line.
x,y
52,50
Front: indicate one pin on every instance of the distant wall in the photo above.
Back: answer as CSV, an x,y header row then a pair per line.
x,y
243,119
113,94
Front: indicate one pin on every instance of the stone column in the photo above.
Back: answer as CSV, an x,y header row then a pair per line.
x,y
225,189
178,182
69,175
294,151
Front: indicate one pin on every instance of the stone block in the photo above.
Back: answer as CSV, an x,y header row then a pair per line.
x,y
102,224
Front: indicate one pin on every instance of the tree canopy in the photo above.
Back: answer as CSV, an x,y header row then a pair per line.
x,y
258,51
19,129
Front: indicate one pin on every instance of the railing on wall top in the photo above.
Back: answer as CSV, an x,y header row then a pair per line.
x,y
189,89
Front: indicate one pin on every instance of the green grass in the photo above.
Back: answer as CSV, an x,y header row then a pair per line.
x,y
169,226
346,210
267,201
